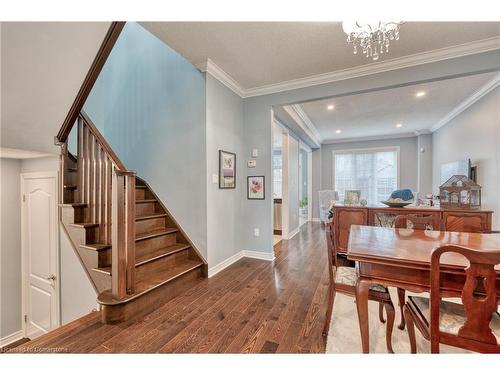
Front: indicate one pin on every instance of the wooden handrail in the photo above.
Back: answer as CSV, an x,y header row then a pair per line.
x,y
95,69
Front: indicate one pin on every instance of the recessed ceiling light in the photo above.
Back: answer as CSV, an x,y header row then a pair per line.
x,y
330,107
338,131
420,94
399,125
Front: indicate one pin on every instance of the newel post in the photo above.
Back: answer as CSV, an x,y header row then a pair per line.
x,y
123,233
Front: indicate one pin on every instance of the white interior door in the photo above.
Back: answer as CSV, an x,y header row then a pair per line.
x,y
40,253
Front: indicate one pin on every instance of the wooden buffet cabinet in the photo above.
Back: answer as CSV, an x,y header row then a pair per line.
x,y
478,221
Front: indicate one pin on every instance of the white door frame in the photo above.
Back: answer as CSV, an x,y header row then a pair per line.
x,y
25,276
308,151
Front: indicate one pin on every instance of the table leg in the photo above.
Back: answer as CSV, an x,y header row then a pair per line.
x,y
362,287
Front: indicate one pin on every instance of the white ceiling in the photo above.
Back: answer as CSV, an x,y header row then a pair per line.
x,y
375,114
43,66
257,54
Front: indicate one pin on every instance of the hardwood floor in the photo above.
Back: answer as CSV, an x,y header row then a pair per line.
x,y
253,306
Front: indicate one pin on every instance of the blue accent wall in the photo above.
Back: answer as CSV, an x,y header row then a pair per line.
x,y
149,104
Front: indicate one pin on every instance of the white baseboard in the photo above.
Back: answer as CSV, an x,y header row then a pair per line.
x,y
292,234
224,264
259,255
236,257
11,338
316,219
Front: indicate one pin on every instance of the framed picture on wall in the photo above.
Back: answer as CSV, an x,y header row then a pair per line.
x,y
256,187
227,170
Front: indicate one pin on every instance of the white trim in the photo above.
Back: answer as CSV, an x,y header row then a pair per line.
x,y
24,307
215,71
446,53
487,88
291,234
369,149
259,255
212,271
316,220
224,264
9,339
375,137
304,122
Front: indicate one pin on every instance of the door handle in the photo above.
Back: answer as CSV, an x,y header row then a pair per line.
x,y
51,277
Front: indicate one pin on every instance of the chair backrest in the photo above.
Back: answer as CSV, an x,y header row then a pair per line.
x,y
479,298
419,222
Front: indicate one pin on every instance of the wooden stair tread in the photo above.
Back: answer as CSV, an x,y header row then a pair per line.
x,y
72,204
139,201
72,169
160,253
96,246
141,187
152,216
84,225
155,255
155,233
70,187
154,280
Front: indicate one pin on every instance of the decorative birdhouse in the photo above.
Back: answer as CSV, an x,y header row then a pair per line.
x,y
460,192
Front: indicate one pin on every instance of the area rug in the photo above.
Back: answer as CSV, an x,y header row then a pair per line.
x,y
344,336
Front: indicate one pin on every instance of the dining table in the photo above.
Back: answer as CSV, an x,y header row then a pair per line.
x,y
402,258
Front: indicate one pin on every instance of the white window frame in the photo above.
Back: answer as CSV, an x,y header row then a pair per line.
x,y
365,150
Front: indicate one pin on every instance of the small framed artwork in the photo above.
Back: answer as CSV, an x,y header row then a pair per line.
x,y
227,170
352,197
256,187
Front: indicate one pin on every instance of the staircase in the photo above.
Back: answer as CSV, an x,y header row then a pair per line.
x,y
132,249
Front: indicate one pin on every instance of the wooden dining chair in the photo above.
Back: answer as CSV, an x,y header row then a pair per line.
x,y
343,278
414,222
474,324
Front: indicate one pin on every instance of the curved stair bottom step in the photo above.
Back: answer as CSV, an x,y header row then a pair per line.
x,y
152,299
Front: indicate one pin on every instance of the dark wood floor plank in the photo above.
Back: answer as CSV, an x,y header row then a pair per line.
x,y
253,306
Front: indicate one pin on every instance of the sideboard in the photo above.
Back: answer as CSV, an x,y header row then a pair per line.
x,y
451,220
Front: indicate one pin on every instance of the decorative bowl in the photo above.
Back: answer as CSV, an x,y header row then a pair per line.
x,y
396,204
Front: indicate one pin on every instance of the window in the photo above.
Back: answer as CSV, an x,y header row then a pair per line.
x,y
375,172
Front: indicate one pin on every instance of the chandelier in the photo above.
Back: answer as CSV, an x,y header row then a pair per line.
x,y
372,38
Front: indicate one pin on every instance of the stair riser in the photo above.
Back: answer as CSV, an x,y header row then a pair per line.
x,y
167,262
140,193
145,247
150,301
143,209
147,225
83,236
104,258
70,215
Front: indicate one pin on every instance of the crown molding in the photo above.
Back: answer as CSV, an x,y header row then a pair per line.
x,y
371,138
490,86
302,120
466,49
215,71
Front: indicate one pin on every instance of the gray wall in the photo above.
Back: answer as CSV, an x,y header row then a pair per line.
x,y
257,120
424,150
10,250
224,132
77,294
474,134
407,154
149,104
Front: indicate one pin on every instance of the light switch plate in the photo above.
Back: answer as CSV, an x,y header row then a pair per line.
x,y
252,163
256,232
215,178
255,153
